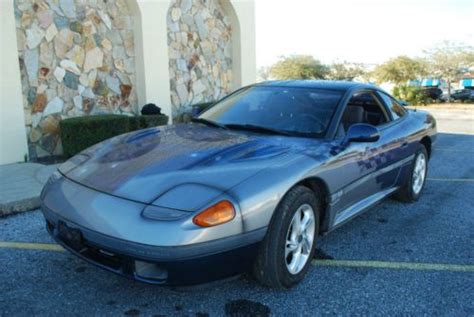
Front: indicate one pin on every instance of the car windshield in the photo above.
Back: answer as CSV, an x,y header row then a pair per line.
x,y
278,110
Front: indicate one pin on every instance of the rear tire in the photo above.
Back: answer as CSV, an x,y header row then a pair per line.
x,y
415,182
286,252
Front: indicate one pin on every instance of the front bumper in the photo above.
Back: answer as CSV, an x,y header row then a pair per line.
x,y
181,265
112,233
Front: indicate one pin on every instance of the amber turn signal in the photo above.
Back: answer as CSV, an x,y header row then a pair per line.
x,y
217,214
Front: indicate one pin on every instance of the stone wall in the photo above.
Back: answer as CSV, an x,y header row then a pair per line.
x,y
200,52
76,58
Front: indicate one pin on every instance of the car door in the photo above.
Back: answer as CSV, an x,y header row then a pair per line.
x,y
397,129
366,170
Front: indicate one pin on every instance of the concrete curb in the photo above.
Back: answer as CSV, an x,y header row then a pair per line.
x,y
21,185
21,205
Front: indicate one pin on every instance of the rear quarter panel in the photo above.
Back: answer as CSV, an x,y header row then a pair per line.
x,y
419,125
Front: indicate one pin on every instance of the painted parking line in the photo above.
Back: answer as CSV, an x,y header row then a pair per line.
x,y
332,263
438,179
30,246
395,265
453,150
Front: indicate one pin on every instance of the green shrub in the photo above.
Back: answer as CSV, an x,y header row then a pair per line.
x,y
79,133
411,94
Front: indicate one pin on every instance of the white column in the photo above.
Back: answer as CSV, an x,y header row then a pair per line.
x,y
247,65
154,43
13,145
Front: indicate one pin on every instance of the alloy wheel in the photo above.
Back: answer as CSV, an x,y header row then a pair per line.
x,y
419,173
299,239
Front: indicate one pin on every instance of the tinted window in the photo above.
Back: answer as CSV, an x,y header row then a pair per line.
x,y
300,111
396,109
364,107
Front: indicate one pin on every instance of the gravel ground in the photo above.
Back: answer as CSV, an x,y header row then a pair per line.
x,y
437,229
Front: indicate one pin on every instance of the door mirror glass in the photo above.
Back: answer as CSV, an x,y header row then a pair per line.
x,y
362,132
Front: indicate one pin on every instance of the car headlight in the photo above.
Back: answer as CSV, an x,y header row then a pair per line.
x,y
51,180
188,197
54,177
162,213
73,162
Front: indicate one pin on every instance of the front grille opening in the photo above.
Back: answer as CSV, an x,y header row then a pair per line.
x,y
50,225
73,239
150,271
103,257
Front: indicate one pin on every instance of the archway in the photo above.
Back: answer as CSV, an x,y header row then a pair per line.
x,y
203,51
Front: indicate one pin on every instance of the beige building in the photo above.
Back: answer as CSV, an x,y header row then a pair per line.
x,y
67,58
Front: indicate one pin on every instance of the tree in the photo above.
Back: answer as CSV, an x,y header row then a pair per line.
x,y
298,67
346,71
400,69
449,61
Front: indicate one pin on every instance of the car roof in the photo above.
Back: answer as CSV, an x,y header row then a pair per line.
x,y
317,84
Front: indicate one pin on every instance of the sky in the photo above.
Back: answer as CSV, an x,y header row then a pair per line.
x,y
360,31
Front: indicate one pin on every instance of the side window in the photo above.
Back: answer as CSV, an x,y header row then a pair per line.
x,y
364,107
396,109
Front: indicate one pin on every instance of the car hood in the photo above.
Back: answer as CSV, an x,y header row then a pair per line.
x,y
185,160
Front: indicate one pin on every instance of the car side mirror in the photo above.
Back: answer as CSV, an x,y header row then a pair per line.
x,y
197,109
362,132
403,103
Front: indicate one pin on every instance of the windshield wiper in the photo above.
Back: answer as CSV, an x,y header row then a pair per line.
x,y
209,123
256,128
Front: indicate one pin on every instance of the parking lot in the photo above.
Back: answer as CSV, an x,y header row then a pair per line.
x,y
396,259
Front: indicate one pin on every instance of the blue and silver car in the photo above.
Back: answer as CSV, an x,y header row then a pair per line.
x,y
249,185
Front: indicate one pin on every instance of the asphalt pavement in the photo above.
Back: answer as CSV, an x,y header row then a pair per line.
x,y
396,259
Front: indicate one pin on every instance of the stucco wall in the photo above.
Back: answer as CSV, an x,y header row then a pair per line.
x,y
13,146
245,61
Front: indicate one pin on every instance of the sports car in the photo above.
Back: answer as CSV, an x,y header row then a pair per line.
x,y
249,185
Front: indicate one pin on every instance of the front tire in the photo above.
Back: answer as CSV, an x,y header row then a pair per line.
x,y
413,186
286,252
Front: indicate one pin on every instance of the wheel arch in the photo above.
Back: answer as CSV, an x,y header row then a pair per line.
x,y
426,141
320,189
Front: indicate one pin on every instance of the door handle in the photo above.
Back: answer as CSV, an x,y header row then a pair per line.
x,y
404,144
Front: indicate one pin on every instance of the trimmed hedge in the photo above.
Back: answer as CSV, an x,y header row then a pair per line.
x,y
77,134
